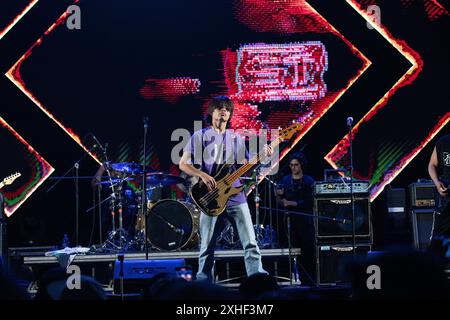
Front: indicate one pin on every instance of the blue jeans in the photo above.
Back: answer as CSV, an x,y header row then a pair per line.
x,y
210,230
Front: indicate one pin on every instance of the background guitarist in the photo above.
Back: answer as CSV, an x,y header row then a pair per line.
x,y
218,139
439,170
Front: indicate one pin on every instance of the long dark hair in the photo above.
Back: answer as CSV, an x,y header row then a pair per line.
x,y
300,157
218,103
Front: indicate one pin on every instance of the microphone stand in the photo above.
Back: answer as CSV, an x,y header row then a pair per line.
x,y
290,245
75,166
144,187
121,257
288,216
311,215
352,200
58,180
77,202
269,188
270,210
257,199
100,227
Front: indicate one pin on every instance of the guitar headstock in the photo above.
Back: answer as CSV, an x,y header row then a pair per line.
x,y
10,179
288,133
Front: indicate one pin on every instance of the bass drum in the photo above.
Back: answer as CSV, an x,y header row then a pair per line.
x,y
173,225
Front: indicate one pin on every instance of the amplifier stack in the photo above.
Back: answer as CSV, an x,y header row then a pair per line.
x,y
422,202
333,226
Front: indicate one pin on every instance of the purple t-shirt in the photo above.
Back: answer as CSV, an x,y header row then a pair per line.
x,y
210,149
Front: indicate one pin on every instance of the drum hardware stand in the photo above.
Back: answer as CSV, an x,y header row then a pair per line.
x,y
144,185
139,239
227,235
100,203
122,233
100,229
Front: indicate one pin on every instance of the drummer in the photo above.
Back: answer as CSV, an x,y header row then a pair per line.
x,y
132,171
123,191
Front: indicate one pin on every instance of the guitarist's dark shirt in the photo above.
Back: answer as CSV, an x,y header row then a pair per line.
x,y
443,155
201,147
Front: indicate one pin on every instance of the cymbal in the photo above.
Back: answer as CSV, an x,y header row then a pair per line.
x,y
163,179
114,181
131,168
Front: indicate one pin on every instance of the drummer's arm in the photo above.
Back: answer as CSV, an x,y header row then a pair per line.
x,y
98,177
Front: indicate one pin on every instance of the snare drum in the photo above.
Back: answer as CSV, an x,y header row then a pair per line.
x,y
173,225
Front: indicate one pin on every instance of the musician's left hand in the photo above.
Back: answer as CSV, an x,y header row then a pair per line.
x,y
288,203
268,150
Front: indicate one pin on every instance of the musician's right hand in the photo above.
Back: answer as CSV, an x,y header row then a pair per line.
x,y
443,191
208,181
95,183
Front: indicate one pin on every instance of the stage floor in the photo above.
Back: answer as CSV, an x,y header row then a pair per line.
x,y
229,264
193,254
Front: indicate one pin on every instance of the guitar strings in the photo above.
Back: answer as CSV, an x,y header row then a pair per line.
x,y
210,195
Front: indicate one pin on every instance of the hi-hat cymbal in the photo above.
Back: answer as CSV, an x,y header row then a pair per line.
x,y
115,181
163,179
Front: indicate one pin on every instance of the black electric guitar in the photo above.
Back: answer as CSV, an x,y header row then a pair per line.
x,y
9,179
213,202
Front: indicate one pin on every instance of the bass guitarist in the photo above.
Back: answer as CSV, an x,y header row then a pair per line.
x,y
221,146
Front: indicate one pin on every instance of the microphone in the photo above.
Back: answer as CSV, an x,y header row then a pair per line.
x,y
99,144
349,121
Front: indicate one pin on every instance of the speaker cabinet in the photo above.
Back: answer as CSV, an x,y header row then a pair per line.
x,y
422,227
333,218
332,259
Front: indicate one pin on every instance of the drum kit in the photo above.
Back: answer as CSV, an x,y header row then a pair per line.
x,y
167,224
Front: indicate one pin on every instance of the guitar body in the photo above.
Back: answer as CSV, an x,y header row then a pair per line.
x,y
217,199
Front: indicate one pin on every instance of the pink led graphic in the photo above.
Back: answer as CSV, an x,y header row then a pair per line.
x,y
341,149
277,72
171,89
287,16
245,116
